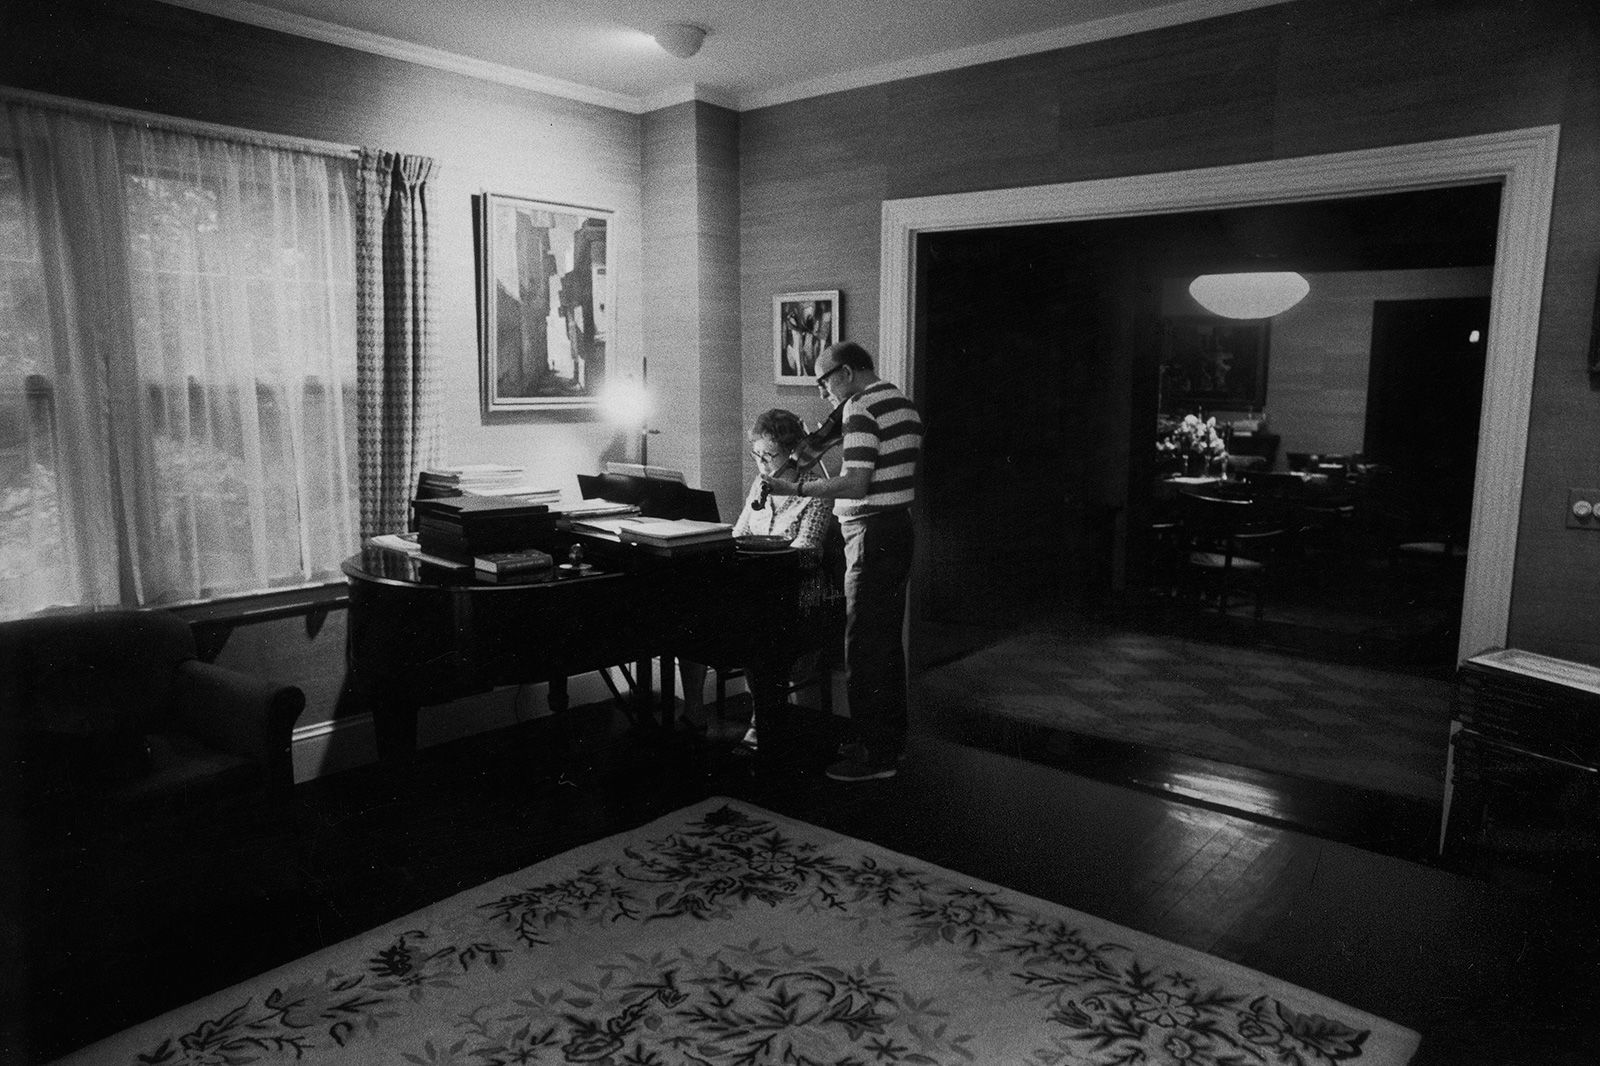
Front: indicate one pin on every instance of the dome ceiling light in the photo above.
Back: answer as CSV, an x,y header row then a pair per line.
x,y
1258,295
680,39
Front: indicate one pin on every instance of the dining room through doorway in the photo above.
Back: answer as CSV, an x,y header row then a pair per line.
x,y
1039,372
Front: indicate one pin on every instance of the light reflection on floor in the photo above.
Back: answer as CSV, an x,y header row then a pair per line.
x,y
1226,792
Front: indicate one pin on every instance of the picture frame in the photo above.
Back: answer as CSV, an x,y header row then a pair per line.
x,y
1213,363
546,302
803,324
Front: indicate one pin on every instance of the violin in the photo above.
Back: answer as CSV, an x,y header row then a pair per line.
x,y
809,452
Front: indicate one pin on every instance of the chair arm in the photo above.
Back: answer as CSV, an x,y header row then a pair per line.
x,y
237,713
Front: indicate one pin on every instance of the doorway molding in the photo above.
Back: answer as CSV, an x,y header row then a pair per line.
x,y
1523,161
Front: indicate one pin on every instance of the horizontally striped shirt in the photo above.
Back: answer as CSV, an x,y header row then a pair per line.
x,y
882,432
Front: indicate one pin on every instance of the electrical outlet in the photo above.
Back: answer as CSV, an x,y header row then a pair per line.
x,y
1583,508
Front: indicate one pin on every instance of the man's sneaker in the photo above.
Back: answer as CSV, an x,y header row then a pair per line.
x,y
854,770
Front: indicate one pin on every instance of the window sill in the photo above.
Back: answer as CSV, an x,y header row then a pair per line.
x,y
213,621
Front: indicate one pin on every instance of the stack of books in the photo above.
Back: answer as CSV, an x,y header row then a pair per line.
x,y
674,536
466,527
483,479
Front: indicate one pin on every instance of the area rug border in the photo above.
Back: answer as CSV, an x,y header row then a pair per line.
x,y
1400,1041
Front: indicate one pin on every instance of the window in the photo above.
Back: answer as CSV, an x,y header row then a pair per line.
x,y
177,376
33,564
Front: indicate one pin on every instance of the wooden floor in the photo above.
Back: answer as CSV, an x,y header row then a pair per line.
x,y
1499,969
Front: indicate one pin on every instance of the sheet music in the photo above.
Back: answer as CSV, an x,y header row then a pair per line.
x,y
611,526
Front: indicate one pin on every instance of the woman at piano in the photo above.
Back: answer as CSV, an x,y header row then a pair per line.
x,y
806,523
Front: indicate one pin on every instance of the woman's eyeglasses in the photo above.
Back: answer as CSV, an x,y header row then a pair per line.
x,y
766,458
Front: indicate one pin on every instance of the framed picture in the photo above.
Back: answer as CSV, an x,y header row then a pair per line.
x,y
545,307
1215,363
803,324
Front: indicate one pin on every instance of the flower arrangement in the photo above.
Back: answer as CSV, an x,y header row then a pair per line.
x,y
1190,440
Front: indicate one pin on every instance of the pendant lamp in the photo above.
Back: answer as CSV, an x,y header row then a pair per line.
x,y
1257,295
680,39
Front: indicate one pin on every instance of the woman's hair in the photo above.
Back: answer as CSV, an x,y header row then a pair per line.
x,y
782,426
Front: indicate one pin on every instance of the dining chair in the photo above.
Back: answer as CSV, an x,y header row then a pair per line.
x,y
1230,547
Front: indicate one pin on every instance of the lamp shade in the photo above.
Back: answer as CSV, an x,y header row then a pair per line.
x,y
680,39
625,400
1259,295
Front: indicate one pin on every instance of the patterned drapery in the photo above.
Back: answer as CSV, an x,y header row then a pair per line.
x,y
398,423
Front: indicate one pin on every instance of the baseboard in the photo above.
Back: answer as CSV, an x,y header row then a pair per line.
x,y
321,748
327,747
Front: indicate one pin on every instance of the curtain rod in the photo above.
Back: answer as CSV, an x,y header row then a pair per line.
x,y
173,124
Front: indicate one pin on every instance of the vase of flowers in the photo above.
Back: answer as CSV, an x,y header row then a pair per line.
x,y
1194,444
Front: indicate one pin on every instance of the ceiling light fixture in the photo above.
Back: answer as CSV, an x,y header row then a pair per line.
x,y
680,39
1259,295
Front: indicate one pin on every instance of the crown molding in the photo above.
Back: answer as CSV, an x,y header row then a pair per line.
x,y
362,41
1175,14
682,94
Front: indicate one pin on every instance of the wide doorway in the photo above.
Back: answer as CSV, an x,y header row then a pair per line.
x,y
1049,374
1045,373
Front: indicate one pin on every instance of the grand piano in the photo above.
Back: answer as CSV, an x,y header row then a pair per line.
x,y
422,635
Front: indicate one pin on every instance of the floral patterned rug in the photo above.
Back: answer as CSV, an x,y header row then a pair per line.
x,y
723,934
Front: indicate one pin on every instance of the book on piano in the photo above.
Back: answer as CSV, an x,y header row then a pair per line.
x,y
405,543
466,526
680,551
513,562
579,510
465,543
480,508
673,532
605,525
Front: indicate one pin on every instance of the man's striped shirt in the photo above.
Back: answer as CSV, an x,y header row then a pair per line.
x,y
882,432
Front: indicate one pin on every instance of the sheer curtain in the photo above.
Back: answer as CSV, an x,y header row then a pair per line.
x,y
177,362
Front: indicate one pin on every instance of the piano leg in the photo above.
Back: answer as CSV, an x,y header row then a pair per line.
x,y
643,671
669,702
558,700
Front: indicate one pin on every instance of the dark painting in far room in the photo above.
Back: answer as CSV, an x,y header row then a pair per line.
x,y
1213,363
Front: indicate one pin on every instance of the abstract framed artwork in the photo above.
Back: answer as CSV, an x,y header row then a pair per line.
x,y
546,311
803,324
1214,363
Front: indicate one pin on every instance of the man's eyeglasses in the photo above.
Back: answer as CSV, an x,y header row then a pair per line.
x,y
766,458
822,381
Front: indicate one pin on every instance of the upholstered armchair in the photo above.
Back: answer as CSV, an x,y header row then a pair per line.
x,y
144,806
112,712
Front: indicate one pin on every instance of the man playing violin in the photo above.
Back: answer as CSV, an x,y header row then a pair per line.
x,y
873,494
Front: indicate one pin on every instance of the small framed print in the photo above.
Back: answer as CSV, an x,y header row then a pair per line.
x,y
803,324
